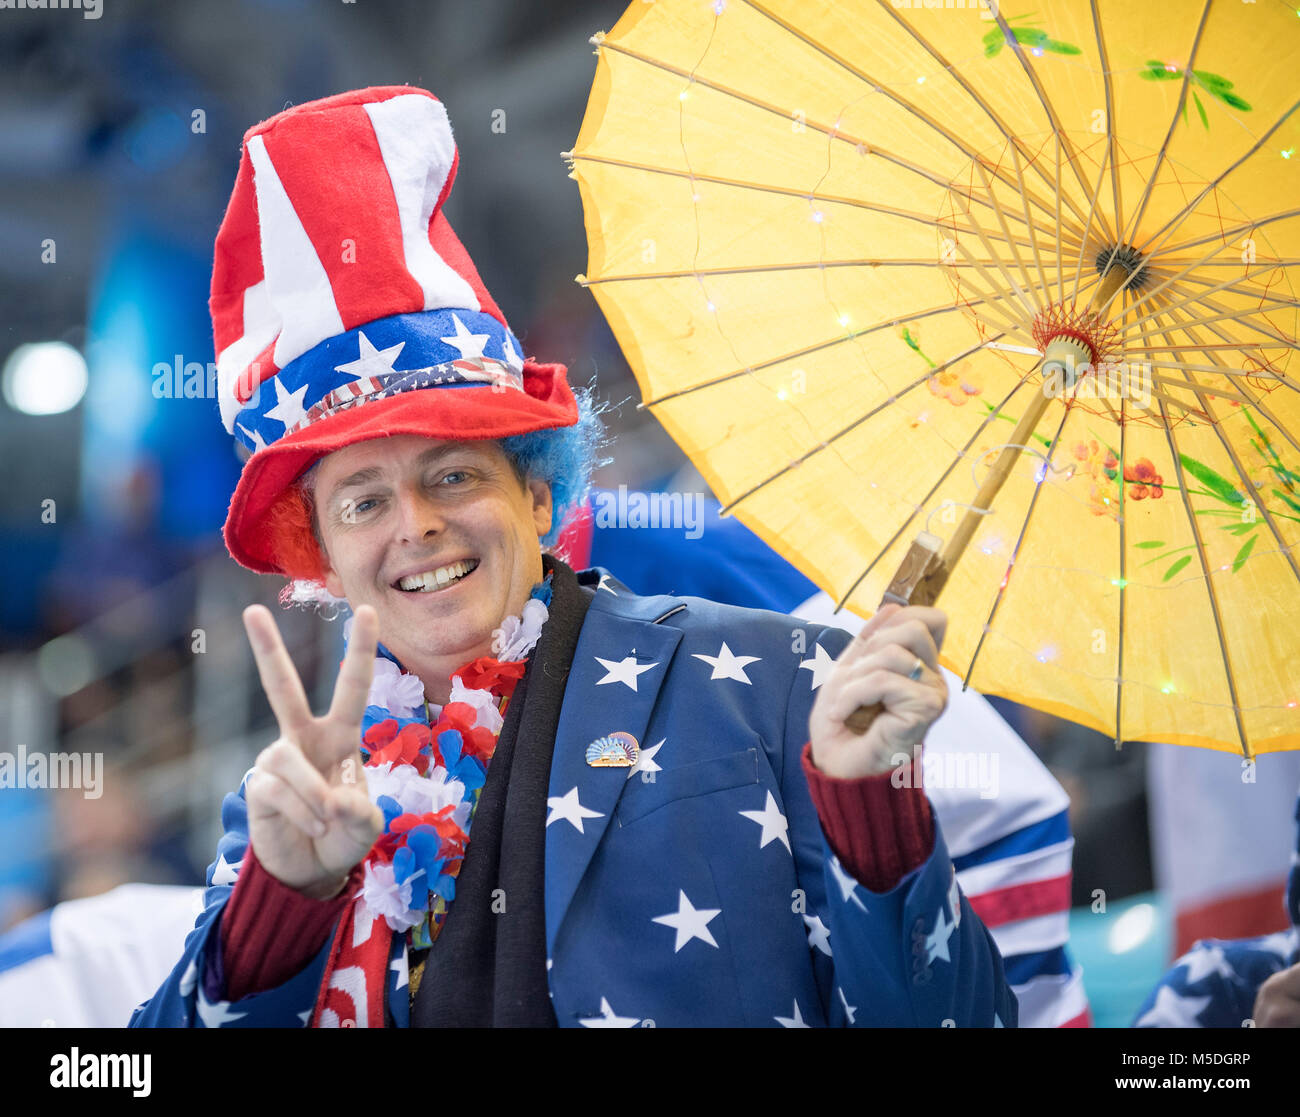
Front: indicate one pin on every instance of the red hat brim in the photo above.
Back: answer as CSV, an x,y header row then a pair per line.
x,y
456,414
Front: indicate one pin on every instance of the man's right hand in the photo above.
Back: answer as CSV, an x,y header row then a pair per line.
x,y
310,817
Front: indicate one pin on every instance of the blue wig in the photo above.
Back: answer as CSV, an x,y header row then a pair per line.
x,y
564,457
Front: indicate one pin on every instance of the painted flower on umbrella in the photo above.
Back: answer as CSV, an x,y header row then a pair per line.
x,y
950,386
1098,463
1144,479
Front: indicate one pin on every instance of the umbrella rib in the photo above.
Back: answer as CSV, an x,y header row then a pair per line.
x,y
829,132
1060,267
993,296
1033,240
1247,321
821,345
1179,217
1110,110
1184,302
1244,390
960,79
1187,366
762,188
1092,209
1014,44
1164,147
812,265
1199,548
916,511
1200,392
1229,234
882,88
1141,298
850,427
1029,512
1226,393
1001,266
1123,567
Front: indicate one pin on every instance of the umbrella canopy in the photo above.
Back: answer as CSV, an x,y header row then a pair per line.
x,y
853,250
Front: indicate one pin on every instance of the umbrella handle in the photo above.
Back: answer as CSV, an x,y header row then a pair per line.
x,y
920,578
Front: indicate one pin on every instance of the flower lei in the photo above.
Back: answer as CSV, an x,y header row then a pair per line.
x,y
425,767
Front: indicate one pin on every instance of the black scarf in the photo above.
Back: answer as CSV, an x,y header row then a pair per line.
x,y
488,965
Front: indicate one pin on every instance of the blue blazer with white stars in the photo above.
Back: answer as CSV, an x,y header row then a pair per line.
x,y
697,888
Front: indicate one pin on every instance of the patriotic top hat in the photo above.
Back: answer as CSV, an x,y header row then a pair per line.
x,y
344,308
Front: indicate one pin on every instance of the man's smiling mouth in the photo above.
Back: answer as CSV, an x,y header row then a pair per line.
x,y
438,578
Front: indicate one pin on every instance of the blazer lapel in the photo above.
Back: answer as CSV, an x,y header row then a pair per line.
x,y
621,661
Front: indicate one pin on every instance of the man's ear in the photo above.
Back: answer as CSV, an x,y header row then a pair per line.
x,y
333,582
543,509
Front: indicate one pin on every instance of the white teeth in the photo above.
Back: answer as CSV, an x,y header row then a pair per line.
x,y
436,579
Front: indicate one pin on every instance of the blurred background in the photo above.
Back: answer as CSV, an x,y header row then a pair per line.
x,y
120,628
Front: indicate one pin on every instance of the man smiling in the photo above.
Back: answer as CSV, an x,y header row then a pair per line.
x,y
541,800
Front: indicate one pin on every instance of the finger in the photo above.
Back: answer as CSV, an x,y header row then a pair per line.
x,y
286,761
890,657
899,695
352,688
913,636
869,629
360,818
269,795
279,678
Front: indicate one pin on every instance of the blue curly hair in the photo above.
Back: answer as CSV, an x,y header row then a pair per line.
x,y
563,457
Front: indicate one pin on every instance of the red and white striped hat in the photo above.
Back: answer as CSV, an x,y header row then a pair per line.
x,y
344,308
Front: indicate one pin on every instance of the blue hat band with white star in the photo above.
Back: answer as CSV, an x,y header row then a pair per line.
x,y
402,353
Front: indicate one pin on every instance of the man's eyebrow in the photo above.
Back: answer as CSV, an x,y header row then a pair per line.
x,y
375,473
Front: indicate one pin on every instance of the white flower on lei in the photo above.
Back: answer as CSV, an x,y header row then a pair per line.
x,y
517,635
398,693
414,793
485,704
382,895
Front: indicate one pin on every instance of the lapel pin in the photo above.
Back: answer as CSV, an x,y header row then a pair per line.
x,y
614,750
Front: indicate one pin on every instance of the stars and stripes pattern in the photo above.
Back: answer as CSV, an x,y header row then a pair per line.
x,y
356,240
699,892
1012,851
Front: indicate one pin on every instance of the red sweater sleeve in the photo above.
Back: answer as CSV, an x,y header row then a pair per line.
x,y
270,931
879,832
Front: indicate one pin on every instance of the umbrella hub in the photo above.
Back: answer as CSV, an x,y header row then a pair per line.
x,y
1127,257
1074,340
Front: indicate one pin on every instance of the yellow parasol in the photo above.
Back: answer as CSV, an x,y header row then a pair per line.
x,y
1007,293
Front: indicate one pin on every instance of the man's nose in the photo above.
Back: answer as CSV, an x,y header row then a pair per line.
x,y
419,515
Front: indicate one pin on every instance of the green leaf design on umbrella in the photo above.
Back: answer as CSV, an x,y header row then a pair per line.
x,y
1215,85
1026,35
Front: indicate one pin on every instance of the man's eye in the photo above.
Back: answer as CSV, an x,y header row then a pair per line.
x,y
455,473
354,508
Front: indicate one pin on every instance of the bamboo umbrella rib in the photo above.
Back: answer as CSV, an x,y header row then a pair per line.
x,y
1006,234
1244,391
1199,548
1104,57
1246,320
1207,347
878,87
787,191
1144,295
1060,267
1248,487
828,131
1264,264
850,427
1123,569
998,262
755,269
1187,366
1024,527
1226,393
1169,135
1092,209
1014,44
992,297
1182,303
960,78
916,511
948,308
1179,217
1226,234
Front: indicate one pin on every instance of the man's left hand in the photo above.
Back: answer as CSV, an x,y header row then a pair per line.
x,y
875,668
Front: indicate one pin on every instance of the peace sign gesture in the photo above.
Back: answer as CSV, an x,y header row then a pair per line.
x,y
310,818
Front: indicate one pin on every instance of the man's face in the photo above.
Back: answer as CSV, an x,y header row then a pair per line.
x,y
393,509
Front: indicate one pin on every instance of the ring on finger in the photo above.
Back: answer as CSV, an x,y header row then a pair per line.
x,y
915,673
